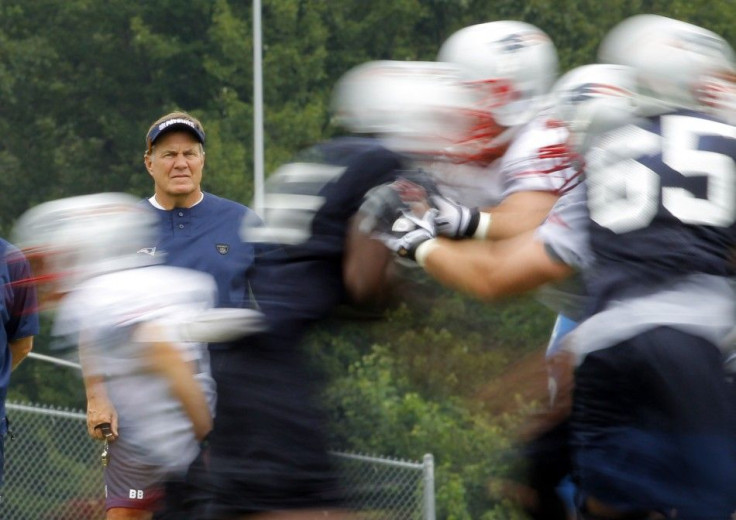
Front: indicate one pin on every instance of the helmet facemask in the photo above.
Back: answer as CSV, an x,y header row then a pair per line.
x,y
68,241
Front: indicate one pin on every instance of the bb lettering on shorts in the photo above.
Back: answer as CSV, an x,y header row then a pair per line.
x,y
136,493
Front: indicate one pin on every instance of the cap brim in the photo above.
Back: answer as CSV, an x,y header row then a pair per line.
x,y
166,127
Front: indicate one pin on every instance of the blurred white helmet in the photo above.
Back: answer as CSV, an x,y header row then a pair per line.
x,y
593,99
515,63
418,108
69,240
677,64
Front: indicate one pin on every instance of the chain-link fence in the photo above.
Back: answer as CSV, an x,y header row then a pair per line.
x,y
387,489
52,467
53,472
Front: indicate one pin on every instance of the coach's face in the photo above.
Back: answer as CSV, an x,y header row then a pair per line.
x,y
176,162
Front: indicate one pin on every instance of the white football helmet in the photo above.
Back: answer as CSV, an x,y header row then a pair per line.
x,y
514,63
69,240
418,108
677,64
593,99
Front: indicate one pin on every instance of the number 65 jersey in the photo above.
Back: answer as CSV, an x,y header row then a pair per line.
x,y
662,203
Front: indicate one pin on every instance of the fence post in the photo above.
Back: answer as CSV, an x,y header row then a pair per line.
x,y
428,469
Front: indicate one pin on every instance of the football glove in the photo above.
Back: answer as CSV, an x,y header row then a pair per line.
x,y
386,203
380,208
454,220
409,232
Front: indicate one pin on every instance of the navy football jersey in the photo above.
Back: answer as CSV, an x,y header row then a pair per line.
x,y
308,205
662,201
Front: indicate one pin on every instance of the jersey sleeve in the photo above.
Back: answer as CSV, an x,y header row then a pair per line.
x,y
565,230
540,159
22,302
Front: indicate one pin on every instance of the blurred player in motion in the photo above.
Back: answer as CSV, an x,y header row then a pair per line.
x,y
511,66
654,419
139,327
268,456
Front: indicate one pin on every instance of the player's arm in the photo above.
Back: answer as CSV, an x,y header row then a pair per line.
x,y
518,213
24,321
19,350
367,265
165,359
491,270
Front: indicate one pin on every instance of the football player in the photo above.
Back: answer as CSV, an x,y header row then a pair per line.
x,y
653,419
267,452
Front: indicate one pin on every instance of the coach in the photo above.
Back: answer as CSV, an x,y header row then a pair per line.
x,y
198,231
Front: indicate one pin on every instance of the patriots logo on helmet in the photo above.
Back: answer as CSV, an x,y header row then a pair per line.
x,y
511,43
517,41
589,91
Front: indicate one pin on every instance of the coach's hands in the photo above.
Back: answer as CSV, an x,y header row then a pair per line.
x,y
100,411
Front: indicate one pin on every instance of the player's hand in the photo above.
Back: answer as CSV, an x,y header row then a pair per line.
x,y
101,411
384,204
454,220
381,207
409,232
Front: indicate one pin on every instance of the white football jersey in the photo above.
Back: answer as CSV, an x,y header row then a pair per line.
x,y
565,230
104,313
564,234
539,159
